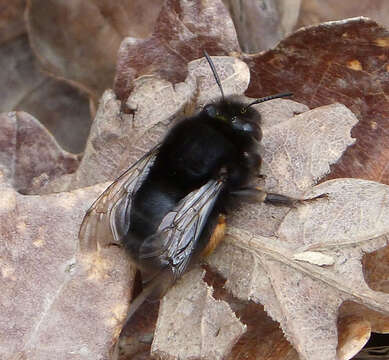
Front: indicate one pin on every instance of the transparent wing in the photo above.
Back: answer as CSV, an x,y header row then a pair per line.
x,y
106,219
179,232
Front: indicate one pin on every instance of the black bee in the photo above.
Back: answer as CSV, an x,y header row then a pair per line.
x,y
168,208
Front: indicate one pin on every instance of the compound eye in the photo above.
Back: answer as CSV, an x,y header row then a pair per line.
x,y
248,128
210,110
241,125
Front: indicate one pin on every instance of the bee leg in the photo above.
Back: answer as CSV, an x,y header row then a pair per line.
x,y
259,195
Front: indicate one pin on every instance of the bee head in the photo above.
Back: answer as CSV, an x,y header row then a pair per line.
x,y
233,114
242,118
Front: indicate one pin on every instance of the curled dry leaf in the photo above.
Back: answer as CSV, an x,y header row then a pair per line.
x,y
355,324
183,30
56,302
29,155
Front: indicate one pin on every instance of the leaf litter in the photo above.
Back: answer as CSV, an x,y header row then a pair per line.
x,y
277,262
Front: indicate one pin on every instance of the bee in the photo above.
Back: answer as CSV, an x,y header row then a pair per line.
x,y
168,209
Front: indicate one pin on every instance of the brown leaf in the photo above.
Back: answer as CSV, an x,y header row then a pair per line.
x,y
20,74
263,338
355,324
326,64
29,154
62,109
55,301
84,52
183,30
11,19
376,267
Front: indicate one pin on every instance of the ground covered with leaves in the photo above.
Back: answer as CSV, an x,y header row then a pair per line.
x,y
82,100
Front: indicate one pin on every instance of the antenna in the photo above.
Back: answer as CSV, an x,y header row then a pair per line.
x,y
267,98
212,65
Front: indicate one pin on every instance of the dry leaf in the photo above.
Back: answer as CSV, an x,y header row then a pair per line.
x,y
84,52
112,111
341,70
11,19
117,140
56,302
325,64
61,108
355,324
261,25
183,30
302,296
315,12
296,153
192,324
29,155
291,165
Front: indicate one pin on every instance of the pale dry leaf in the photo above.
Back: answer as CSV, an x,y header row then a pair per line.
x,y
192,324
272,345
302,296
56,302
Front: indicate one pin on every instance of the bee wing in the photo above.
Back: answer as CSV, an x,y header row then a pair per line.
x,y
106,218
179,232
